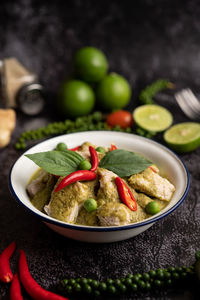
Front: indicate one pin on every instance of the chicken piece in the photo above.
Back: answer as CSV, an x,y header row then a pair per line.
x,y
114,214
87,218
84,150
65,204
108,190
152,184
42,197
138,215
143,200
38,183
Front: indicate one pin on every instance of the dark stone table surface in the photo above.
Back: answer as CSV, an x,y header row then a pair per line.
x,y
143,40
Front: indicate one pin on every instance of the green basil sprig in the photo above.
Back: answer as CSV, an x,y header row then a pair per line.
x,y
60,163
124,163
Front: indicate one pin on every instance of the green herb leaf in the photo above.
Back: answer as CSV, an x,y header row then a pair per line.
x,y
59,163
124,163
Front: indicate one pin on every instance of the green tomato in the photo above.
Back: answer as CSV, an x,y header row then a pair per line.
x,y
90,64
113,92
152,208
61,147
101,150
76,98
90,204
85,165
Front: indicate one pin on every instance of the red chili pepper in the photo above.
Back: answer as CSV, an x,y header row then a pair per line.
x,y
31,286
152,169
94,158
15,289
6,274
81,175
75,149
113,147
125,194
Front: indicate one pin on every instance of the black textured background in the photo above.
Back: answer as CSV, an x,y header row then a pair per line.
x,y
143,40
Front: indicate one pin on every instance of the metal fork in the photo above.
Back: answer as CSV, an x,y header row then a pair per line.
x,y
189,103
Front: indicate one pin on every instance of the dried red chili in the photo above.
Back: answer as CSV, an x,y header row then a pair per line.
x,y
15,289
94,158
6,274
113,147
125,194
80,175
30,285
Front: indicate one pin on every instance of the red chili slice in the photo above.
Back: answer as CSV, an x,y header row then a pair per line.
x,y
152,168
6,274
125,194
113,147
80,175
94,158
30,285
15,289
75,149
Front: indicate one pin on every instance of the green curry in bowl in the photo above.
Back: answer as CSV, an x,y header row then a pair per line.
x,y
122,187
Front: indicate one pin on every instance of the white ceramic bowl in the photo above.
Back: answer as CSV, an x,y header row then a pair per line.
x,y
168,162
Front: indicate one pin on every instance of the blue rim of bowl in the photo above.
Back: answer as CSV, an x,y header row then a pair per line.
x,y
114,228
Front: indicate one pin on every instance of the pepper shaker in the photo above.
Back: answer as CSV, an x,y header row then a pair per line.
x,y
19,87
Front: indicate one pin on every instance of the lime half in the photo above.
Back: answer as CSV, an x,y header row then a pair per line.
x,y
152,117
183,137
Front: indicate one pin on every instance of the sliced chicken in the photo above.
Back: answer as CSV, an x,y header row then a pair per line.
x,y
65,204
114,214
152,184
108,190
84,150
38,183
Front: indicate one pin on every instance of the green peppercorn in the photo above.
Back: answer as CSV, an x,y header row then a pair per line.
x,y
122,288
158,283
169,282
94,283
145,276
128,282
136,278
130,276
112,289
148,286
72,281
152,273
117,282
171,269
142,284
102,286
65,282
68,289
83,281
160,274
77,287
134,287
167,275
87,288
109,281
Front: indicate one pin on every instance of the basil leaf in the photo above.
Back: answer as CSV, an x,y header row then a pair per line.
x,y
124,163
59,163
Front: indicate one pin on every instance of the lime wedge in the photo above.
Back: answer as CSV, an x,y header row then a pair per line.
x,y
183,137
152,117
